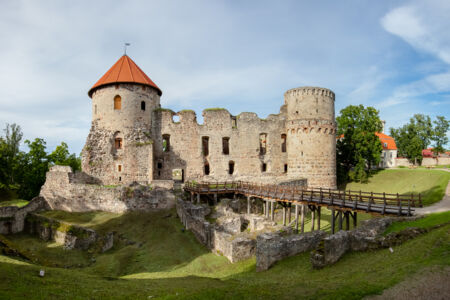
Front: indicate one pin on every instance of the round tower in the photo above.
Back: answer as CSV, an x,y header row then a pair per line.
x,y
311,140
118,148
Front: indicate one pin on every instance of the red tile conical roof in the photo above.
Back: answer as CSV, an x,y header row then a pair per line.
x,y
124,70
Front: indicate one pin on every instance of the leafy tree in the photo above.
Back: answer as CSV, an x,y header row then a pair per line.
x,y
35,165
413,137
61,156
9,151
358,148
440,134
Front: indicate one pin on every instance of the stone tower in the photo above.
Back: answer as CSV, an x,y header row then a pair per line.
x,y
311,141
119,146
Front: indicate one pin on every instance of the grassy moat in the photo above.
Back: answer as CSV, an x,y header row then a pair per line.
x,y
154,258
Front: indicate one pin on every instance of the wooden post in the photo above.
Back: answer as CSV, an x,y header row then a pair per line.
x,y
340,219
303,218
347,221
192,197
313,217
264,207
267,209
296,218
355,220
289,214
198,198
248,205
332,221
272,204
284,216
215,198
318,218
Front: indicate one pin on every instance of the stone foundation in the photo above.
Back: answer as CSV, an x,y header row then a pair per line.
x,y
272,247
233,235
77,192
68,235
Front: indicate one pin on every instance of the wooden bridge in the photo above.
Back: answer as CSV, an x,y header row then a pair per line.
x,y
343,204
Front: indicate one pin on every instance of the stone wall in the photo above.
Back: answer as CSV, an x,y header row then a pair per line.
x,y
12,218
68,235
272,247
298,142
233,235
65,190
426,162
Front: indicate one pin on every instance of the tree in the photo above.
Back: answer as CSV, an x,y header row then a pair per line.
x,y
61,156
440,134
358,148
413,137
9,151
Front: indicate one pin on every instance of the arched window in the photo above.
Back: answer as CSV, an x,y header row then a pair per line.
x,y
166,142
117,102
143,105
118,143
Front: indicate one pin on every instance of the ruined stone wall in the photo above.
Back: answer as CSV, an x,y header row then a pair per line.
x,y
186,149
65,191
133,161
311,129
12,218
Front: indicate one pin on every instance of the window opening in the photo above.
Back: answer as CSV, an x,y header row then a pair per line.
x,y
264,167
225,145
285,168
206,169
142,105
231,167
233,122
118,143
205,145
176,118
120,178
119,168
166,142
262,143
283,143
117,102
159,165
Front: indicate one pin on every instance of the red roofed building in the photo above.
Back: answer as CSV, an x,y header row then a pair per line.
x,y
389,152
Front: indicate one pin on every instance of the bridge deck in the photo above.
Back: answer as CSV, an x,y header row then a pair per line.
x,y
375,203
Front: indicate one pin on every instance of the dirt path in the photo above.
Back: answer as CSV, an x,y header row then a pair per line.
x,y
429,284
443,205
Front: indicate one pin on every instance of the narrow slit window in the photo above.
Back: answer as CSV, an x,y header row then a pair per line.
x,y
119,168
206,169
117,102
233,122
159,165
231,167
283,143
226,145
264,167
118,143
262,143
143,105
166,142
285,168
205,145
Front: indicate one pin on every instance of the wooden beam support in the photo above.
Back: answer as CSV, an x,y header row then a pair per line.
x,y
215,198
332,220
284,216
347,220
289,214
296,218
318,218
248,205
303,218
192,197
340,219
198,198
313,217
355,219
272,208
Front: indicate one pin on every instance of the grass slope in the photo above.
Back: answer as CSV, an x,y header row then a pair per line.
x,y
155,258
15,202
430,221
430,183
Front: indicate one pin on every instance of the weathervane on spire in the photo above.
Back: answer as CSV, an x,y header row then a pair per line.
x,y
125,48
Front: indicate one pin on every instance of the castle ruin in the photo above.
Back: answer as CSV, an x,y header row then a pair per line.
x,y
133,139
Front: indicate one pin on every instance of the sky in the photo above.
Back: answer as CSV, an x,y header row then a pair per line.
x,y
240,55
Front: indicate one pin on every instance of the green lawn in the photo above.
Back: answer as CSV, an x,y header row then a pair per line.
x,y
154,258
430,221
15,202
430,183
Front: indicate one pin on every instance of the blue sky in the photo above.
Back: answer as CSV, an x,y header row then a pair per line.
x,y
241,55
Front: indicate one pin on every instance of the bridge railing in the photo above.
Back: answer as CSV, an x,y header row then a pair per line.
x,y
297,193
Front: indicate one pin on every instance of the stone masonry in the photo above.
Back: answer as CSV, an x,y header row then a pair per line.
x,y
133,139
